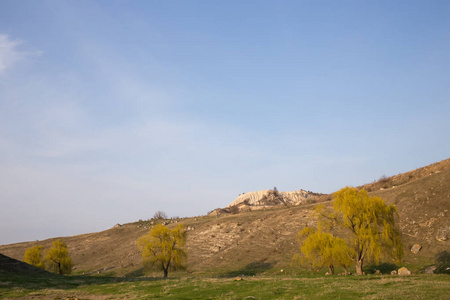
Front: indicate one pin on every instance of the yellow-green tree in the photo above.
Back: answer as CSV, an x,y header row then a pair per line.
x,y
164,247
58,259
319,249
370,223
34,257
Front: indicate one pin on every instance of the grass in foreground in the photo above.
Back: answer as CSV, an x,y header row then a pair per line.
x,y
317,287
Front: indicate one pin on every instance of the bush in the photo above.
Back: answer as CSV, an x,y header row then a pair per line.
x,y
385,268
234,210
443,263
385,182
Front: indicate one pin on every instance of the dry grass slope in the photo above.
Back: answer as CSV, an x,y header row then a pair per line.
x,y
264,241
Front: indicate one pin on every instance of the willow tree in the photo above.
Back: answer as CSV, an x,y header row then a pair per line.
x,y
164,247
370,224
58,259
319,249
34,257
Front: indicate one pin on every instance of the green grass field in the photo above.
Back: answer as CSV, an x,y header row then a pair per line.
x,y
257,287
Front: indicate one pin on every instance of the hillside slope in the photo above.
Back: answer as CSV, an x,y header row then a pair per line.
x,y
264,240
424,213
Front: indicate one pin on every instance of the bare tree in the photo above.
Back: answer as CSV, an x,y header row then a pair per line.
x,y
160,215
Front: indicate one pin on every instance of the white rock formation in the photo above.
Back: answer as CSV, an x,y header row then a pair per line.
x,y
252,198
270,198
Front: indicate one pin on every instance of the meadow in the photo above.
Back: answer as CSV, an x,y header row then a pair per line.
x,y
250,287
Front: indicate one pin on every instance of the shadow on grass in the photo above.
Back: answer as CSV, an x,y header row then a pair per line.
x,y
136,273
48,281
251,269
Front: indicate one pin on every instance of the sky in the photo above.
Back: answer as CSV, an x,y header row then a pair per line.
x,y
113,110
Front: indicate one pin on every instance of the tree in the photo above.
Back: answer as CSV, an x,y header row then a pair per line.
x,y
371,224
275,191
319,249
33,256
160,215
58,259
164,247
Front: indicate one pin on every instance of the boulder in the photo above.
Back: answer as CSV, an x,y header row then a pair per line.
x,y
430,270
394,272
377,272
416,248
404,272
443,233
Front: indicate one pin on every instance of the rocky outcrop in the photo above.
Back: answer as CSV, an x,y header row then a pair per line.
x,y
264,198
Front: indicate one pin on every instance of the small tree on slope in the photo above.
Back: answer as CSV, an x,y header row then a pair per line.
x,y
58,259
164,247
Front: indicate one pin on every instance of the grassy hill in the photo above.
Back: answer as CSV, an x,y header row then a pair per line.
x,y
263,242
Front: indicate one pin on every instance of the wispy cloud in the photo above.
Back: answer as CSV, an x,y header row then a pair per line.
x,y
11,52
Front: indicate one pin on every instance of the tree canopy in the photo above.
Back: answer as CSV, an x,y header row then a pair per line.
x,y
319,249
58,259
369,222
164,247
34,257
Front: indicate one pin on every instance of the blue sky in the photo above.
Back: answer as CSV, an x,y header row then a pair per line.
x,y
112,110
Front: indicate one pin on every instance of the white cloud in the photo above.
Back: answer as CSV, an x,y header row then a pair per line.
x,y
10,54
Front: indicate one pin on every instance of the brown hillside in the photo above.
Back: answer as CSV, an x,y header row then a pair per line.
x,y
400,179
424,213
264,241
229,243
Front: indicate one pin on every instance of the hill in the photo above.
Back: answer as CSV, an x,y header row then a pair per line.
x,y
253,242
8,264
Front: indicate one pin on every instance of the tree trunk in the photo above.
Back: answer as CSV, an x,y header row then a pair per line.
x,y
345,270
331,269
166,268
359,264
